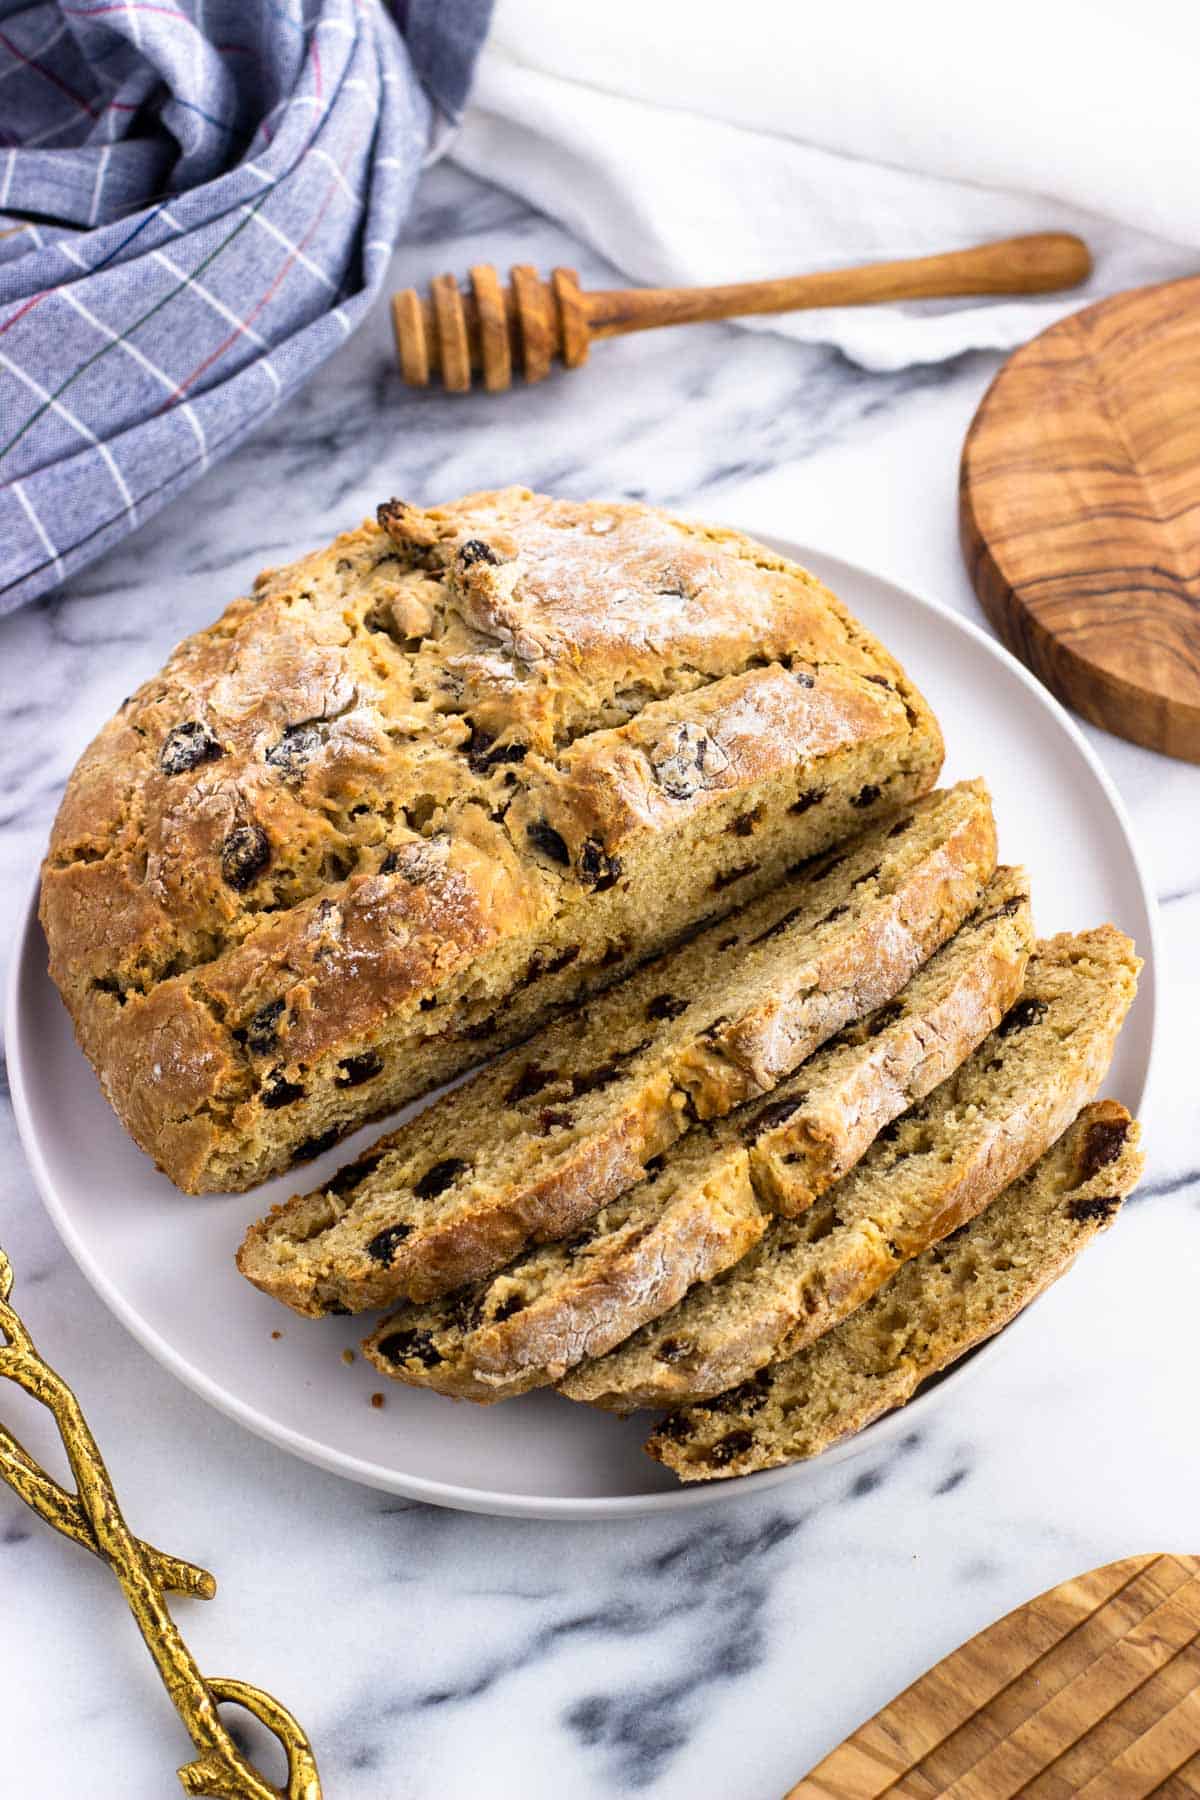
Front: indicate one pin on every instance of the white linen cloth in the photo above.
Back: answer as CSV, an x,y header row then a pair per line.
x,y
693,141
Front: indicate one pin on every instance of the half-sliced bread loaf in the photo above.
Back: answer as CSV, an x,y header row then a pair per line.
x,y
929,1173
697,1213
563,1302
536,1143
450,771
939,1305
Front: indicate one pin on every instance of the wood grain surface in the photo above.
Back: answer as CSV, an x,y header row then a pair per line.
x,y
1091,1690
1080,512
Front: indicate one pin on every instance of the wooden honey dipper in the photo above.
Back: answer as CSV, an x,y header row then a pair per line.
x,y
491,329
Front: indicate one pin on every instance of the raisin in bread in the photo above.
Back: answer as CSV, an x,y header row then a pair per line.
x,y
565,1301
938,1307
535,1144
422,786
929,1172
705,1203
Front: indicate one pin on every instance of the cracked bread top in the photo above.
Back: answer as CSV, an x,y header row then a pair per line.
x,y
436,734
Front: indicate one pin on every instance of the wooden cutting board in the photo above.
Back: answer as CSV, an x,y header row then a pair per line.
x,y
1080,512
1090,1691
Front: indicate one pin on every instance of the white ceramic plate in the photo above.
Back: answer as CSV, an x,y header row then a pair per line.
x,y
163,1262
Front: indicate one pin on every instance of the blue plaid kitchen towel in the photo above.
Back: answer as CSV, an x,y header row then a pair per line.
x,y
198,202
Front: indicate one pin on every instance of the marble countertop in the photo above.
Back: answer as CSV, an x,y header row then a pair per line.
x,y
709,1653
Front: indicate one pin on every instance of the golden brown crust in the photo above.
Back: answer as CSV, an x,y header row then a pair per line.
x,y
406,765
679,756
597,598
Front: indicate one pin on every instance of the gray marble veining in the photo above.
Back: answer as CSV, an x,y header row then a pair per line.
x,y
715,1653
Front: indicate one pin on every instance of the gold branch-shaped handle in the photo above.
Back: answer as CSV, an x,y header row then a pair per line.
x,y
91,1517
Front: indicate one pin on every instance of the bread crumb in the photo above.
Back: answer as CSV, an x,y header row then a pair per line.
x,y
277,1334
377,1401
347,1357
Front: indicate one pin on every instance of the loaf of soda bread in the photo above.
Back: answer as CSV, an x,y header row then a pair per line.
x,y
460,767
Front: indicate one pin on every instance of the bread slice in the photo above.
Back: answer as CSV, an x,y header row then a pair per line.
x,y
816,1125
454,769
698,1213
536,1143
929,1172
565,1301
940,1304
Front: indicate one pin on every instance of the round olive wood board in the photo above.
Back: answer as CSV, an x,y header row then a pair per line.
x,y
1080,512
1090,1692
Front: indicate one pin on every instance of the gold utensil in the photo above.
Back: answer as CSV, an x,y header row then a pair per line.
x,y
92,1518
490,329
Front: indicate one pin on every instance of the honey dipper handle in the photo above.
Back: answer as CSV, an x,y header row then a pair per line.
x,y
1021,265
